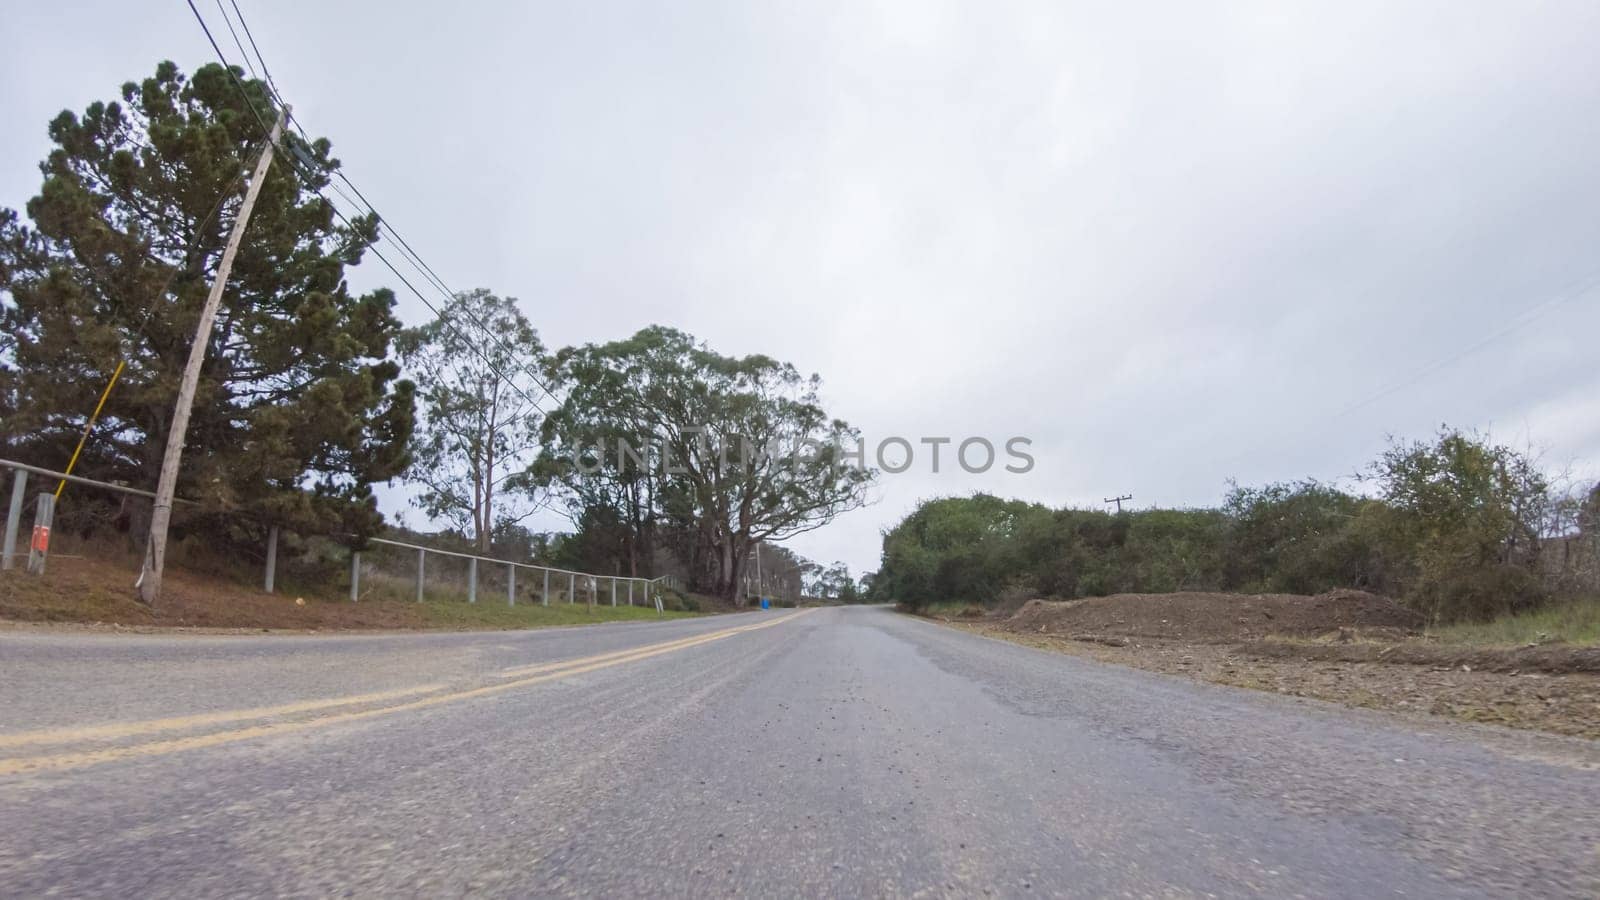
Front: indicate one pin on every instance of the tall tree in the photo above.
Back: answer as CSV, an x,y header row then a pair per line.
x,y
480,431
299,410
742,450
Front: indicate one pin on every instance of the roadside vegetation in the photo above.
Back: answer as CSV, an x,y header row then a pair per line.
x,y
311,395
1459,528
1574,621
95,592
1455,581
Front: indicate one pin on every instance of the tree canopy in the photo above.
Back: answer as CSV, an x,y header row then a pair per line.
x,y
479,431
717,452
1455,526
299,408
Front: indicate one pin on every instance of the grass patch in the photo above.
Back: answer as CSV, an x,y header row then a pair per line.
x,y
1576,621
954,610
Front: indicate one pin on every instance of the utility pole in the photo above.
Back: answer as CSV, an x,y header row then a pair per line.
x,y
149,583
1118,500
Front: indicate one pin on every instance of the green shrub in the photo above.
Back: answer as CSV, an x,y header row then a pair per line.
x,y
1454,530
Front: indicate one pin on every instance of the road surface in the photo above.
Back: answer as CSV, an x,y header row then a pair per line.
x,y
839,752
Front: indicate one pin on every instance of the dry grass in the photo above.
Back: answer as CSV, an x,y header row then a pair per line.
x,y
1575,621
100,591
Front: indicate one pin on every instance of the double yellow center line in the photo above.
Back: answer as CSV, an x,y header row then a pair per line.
x,y
326,711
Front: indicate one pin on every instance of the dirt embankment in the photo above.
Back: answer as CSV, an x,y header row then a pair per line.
x,y
1346,646
1217,618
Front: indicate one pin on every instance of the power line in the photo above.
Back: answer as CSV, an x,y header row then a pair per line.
x,y
1576,288
236,42
417,262
440,314
266,75
409,254
1525,318
228,67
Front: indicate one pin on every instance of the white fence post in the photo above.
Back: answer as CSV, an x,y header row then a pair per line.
x,y
572,589
422,561
355,575
630,591
511,584
272,558
545,597
472,579
613,590
19,488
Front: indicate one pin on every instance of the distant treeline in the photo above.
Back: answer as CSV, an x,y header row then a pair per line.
x,y
1454,526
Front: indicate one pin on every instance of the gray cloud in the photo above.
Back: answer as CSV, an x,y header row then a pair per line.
x,y
1169,242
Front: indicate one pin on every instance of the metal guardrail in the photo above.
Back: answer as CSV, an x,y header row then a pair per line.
x,y
39,545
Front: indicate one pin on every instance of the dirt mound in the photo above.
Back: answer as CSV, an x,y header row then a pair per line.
x,y
1214,617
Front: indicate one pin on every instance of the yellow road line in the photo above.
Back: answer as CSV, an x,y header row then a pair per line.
x,y
59,761
563,663
116,730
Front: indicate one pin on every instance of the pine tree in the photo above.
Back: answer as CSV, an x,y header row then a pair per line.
x,y
299,410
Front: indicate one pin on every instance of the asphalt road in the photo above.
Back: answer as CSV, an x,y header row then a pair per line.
x,y
839,752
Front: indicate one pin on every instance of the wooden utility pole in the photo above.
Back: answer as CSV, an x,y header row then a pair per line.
x,y
1118,500
149,583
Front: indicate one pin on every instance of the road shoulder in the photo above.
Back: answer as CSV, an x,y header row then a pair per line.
x,y
1566,704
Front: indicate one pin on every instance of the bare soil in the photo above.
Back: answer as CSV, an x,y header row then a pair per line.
x,y
1198,616
1345,646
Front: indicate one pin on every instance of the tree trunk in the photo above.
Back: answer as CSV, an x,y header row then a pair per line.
x,y
733,593
728,573
486,530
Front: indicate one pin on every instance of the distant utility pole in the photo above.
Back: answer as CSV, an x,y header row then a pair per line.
x,y
149,583
1118,500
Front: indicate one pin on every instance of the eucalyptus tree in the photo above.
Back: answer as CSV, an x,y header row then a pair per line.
x,y
729,451
479,430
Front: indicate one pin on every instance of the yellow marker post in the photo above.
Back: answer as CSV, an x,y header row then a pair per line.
x,y
88,426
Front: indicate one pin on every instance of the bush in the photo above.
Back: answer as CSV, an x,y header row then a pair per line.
x,y
1454,530
1479,594
1016,592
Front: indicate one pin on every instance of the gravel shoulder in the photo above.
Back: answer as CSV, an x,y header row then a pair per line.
x,y
1422,683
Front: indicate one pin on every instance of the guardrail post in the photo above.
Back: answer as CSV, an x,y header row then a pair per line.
x,y
511,584
422,564
572,589
472,579
355,575
272,558
39,547
19,488
546,595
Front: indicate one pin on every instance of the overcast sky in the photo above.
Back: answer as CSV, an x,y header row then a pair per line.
x,y
1172,244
